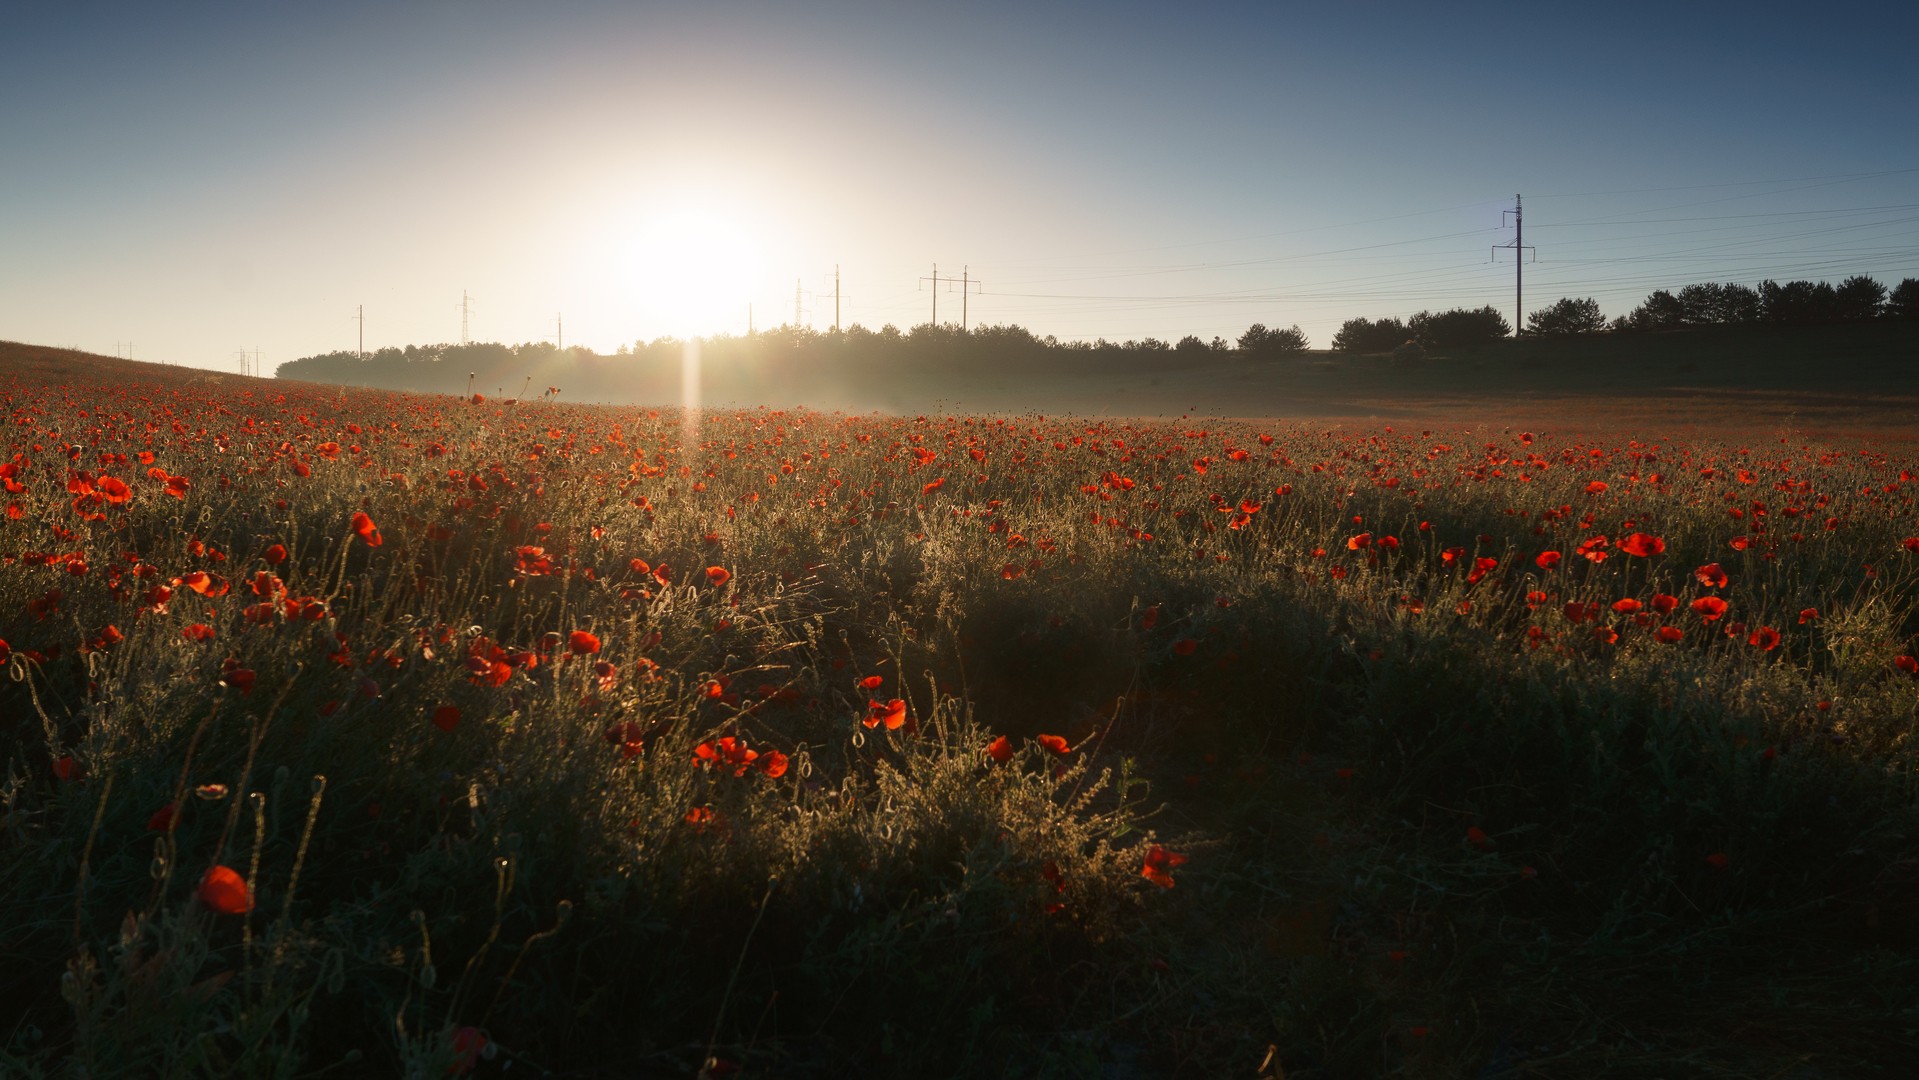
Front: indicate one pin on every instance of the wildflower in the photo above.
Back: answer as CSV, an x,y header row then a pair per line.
x,y
1709,608
225,891
1158,866
364,528
891,713
1642,545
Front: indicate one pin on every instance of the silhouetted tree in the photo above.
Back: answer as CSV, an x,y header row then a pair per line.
x,y
1799,302
1567,317
1460,326
1370,336
1903,303
1260,341
1718,305
1860,298
1661,311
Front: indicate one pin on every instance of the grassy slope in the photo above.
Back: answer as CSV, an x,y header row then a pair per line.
x,y
1627,955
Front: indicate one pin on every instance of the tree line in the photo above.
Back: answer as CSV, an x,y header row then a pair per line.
x,y
1803,303
800,358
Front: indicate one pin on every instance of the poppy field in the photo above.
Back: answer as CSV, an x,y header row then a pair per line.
x,y
349,732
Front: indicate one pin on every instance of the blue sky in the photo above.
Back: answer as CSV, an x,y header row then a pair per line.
x,y
197,179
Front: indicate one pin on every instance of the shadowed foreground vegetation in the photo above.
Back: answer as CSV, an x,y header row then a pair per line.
x,y
361,733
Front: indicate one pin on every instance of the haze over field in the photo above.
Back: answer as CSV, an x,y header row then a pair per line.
x,y
183,184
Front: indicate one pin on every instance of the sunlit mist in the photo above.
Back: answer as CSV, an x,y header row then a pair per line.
x,y
690,395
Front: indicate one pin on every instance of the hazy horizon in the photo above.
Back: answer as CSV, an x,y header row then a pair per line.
x,y
200,181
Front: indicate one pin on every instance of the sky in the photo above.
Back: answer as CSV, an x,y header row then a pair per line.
x,y
182,182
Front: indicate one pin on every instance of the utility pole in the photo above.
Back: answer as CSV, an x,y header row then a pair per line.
x,y
966,284
559,331
466,314
1519,248
838,297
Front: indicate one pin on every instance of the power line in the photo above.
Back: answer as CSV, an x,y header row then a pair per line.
x,y
966,284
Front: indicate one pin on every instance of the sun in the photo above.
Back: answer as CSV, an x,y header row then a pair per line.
x,y
689,272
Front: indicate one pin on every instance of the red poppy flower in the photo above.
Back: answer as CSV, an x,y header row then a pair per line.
x,y
1056,743
1669,634
1185,646
1709,608
446,717
1477,837
1000,750
1807,615
718,575
1907,664
1711,575
1547,560
162,818
581,643
1642,545
772,763
1764,639
1626,606
225,891
1159,864
891,713
1664,604
276,554
237,677
871,682
364,528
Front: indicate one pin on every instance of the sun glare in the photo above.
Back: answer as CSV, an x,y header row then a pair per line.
x,y
689,272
